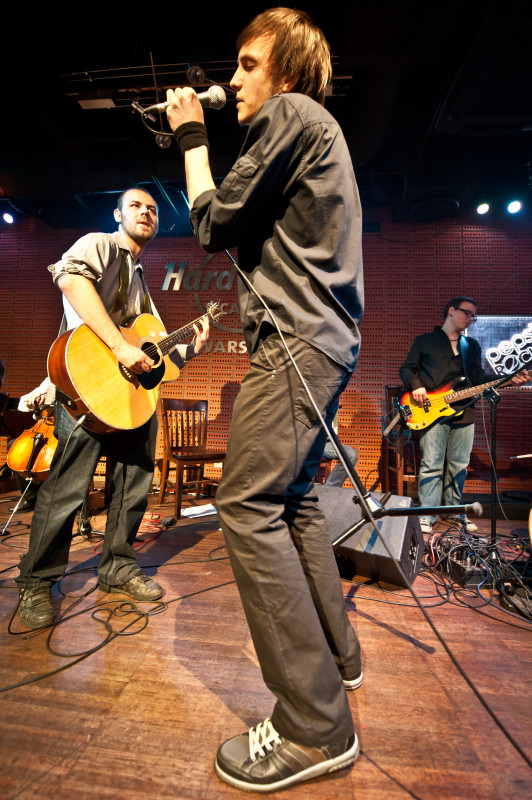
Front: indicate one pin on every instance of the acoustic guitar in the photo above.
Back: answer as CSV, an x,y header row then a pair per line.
x,y
90,380
438,403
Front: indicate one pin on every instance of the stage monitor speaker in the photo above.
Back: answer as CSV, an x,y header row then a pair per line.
x,y
365,548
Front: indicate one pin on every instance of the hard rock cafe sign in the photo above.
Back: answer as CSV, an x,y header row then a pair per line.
x,y
210,282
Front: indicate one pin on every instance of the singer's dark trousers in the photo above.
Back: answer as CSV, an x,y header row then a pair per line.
x,y
132,458
277,541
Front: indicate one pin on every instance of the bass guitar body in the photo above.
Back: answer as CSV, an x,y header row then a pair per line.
x,y
94,382
435,407
439,402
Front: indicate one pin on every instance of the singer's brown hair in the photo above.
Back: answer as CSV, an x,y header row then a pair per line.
x,y
300,52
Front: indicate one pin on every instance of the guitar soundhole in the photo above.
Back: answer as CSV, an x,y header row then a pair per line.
x,y
151,379
148,380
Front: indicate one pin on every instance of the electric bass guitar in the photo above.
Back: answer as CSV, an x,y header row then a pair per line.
x,y
91,381
438,403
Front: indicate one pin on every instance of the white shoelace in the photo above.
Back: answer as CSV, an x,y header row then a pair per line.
x,y
262,737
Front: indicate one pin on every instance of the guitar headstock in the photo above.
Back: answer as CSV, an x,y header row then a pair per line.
x,y
214,310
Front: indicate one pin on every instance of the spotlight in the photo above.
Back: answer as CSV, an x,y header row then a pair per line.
x,y
483,208
9,218
514,206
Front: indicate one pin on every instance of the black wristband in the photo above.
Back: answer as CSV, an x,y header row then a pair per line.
x,y
190,135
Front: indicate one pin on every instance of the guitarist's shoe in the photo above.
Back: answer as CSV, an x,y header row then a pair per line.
x,y
139,587
36,609
22,507
463,521
425,525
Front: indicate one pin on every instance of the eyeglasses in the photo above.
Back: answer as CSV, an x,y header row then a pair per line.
x,y
468,314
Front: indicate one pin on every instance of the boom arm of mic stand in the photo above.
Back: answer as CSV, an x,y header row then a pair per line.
x,y
411,511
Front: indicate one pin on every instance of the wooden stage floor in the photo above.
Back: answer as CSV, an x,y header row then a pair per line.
x,y
117,705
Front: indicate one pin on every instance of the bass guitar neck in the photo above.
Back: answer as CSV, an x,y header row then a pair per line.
x,y
439,403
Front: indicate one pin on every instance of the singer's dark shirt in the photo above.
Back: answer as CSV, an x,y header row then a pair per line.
x,y
291,206
431,363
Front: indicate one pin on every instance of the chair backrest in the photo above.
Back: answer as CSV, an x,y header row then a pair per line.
x,y
184,422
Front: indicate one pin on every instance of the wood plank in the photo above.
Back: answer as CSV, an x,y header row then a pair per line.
x,y
145,714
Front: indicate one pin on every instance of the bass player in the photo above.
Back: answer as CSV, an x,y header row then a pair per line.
x,y
434,359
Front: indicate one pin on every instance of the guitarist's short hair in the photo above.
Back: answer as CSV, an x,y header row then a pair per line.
x,y
456,301
120,201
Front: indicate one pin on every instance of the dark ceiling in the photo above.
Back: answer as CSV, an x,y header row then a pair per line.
x,y
434,98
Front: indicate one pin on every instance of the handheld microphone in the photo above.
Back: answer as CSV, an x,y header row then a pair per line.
x,y
214,97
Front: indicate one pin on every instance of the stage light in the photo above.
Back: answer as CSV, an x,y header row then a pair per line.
x,y
9,218
483,208
514,206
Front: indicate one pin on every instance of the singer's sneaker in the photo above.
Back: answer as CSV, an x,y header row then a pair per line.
x,y
263,761
355,683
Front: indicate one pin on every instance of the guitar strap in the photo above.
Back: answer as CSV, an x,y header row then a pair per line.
x,y
464,350
123,285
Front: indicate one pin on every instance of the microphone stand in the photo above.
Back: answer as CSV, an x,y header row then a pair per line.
x,y
5,530
377,508
493,397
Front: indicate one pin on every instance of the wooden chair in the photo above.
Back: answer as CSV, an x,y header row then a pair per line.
x,y
400,451
325,470
184,425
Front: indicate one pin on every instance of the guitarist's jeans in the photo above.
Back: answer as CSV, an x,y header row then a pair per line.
x,y
445,452
131,455
278,544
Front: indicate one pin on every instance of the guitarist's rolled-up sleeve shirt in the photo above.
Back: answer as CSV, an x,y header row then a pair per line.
x,y
97,257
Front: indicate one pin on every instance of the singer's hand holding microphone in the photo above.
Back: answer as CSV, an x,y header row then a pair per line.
x,y
184,109
184,105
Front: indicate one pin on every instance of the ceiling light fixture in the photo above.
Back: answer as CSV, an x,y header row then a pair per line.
x,y
514,206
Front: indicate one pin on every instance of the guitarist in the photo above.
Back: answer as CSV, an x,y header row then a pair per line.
x,y
435,359
103,286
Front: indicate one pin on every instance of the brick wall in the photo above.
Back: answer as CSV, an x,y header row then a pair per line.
x,y
410,273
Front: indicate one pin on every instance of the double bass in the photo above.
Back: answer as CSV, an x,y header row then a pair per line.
x,y
31,454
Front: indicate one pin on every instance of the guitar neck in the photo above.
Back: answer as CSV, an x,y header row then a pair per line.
x,y
452,397
167,343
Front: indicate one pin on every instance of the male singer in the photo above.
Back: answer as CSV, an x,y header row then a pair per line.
x,y
290,203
